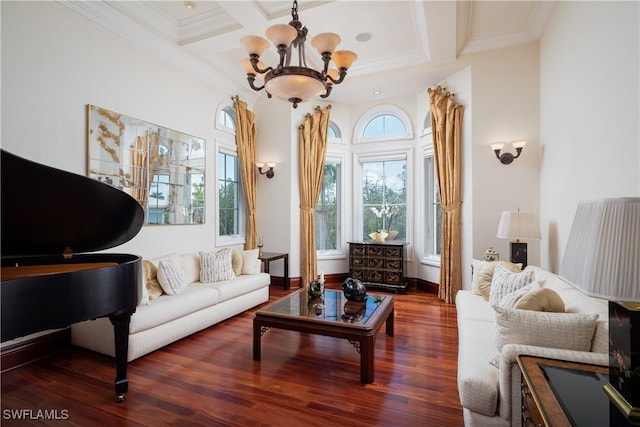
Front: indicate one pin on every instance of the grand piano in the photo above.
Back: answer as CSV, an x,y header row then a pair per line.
x,y
50,220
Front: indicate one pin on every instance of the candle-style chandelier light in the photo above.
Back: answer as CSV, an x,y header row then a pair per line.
x,y
295,81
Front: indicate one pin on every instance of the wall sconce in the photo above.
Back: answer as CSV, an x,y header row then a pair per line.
x,y
269,172
508,158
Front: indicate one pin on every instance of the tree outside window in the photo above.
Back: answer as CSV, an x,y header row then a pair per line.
x,y
228,195
384,197
327,210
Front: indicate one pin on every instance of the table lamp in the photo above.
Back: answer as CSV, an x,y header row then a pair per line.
x,y
518,225
602,259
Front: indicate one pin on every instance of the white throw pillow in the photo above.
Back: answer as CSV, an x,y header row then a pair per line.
x,y
250,262
171,277
504,282
216,266
476,267
569,331
510,300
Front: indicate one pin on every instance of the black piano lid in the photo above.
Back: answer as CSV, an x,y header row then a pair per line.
x,y
46,210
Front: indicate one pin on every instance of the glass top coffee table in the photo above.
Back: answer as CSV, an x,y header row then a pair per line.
x,y
332,315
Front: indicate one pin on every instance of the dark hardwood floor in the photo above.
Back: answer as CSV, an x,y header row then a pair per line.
x,y
210,379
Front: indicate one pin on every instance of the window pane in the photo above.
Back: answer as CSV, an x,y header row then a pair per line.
x,y
433,213
384,197
228,189
327,209
393,126
375,127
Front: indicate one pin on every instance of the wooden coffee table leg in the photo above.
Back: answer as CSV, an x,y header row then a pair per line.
x,y
367,346
257,333
389,324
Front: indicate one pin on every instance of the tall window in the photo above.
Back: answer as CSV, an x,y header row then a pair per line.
x,y
432,210
327,209
228,194
384,197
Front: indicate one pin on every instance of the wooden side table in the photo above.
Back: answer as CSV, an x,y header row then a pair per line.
x,y
559,393
267,257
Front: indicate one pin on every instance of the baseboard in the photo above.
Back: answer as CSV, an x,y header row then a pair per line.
x,y
29,350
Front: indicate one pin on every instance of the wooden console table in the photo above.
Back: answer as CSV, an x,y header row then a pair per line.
x,y
379,265
267,257
559,393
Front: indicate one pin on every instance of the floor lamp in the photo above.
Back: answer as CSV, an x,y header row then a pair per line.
x,y
602,259
518,225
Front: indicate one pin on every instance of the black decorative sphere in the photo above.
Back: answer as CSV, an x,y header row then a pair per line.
x,y
354,290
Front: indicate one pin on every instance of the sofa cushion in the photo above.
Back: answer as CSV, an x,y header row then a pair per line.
x,y
477,379
170,307
504,282
171,277
244,284
216,266
472,306
486,275
541,299
569,331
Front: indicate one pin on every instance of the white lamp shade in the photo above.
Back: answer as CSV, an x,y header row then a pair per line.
x,y
325,42
602,256
281,34
497,145
254,44
343,58
294,86
519,144
518,225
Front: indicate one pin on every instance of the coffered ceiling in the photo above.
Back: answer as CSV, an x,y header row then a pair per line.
x,y
409,44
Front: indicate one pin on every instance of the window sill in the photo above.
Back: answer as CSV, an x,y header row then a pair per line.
x,y
331,255
433,261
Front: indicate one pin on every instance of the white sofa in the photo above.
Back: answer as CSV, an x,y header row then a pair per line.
x,y
490,396
168,318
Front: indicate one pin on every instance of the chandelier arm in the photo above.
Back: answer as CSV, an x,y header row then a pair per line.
x,y
343,74
252,78
326,58
254,59
329,87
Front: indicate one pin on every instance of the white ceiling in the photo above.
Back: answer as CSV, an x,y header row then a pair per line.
x,y
414,44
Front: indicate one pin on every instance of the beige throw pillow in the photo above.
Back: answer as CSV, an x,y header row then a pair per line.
x,y
569,331
150,275
236,262
486,275
543,299
505,282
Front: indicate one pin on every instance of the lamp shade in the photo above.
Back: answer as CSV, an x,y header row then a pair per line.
x,y
518,225
602,256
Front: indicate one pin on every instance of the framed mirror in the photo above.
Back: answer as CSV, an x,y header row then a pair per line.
x,y
163,169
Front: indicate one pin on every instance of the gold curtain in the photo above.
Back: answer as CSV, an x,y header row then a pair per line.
x,y
247,156
139,171
446,124
312,140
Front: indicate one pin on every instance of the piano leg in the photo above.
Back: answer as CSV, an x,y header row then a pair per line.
x,y
121,332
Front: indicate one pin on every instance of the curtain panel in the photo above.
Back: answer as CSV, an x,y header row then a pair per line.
x,y
446,128
312,140
247,156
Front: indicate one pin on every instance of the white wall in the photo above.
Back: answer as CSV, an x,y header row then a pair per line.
x,y
54,62
589,115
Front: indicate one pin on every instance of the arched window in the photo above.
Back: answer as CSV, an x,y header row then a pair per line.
x,y
334,134
383,123
226,118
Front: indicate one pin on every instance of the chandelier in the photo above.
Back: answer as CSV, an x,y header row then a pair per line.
x,y
292,80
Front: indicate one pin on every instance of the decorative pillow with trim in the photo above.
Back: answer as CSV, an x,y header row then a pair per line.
x,y
569,331
150,276
504,282
171,277
543,299
485,276
216,266
250,262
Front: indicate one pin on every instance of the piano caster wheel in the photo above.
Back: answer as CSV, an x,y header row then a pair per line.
x,y
120,398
